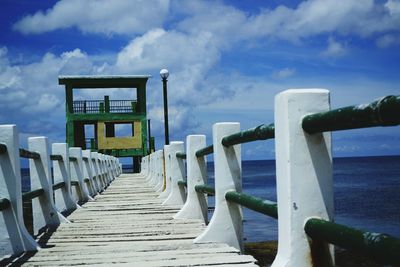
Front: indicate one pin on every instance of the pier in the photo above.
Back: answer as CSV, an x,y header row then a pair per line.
x,y
159,217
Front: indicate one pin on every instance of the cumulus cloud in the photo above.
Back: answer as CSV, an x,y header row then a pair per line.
x,y
97,16
30,93
334,49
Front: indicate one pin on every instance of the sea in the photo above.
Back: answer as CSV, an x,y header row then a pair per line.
x,y
366,194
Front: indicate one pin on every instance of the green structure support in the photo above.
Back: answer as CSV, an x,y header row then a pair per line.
x,y
103,115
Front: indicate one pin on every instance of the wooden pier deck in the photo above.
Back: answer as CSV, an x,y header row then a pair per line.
x,y
126,225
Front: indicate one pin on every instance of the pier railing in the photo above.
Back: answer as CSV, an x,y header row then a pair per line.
x,y
302,132
77,177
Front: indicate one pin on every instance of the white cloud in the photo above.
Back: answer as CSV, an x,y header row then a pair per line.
x,y
283,73
97,16
334,49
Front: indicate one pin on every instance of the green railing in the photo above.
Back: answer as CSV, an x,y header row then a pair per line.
x,y
381,247
260,205
3,148
261,132
182,183
32,194
205,151
28,154
205,189
4,203
181,155
383,112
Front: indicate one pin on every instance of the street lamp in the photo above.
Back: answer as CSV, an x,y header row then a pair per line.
x,y
164,75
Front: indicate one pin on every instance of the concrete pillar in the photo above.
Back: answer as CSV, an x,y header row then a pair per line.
x,y
177,194
303,173
196,206
76,168
44,210
10,188
61,173
226,224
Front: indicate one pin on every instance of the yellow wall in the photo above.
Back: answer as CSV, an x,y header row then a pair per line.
x,y
119,142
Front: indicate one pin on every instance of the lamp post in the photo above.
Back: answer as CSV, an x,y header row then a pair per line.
x,y
164,75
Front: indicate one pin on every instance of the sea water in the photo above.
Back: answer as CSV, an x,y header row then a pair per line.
x,y
366,194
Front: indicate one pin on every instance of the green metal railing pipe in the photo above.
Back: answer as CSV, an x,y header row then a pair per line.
x,y
28,154
56,157
182,183
205,151
382,112
261,132
32,194
4,203
181,155
205,189
3,148
58,185
74,183
254,203
380,247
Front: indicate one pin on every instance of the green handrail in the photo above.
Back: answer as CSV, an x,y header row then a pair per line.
x,y
73,159
205,189
261,132
28,154
3,148
182,183
254,203
381,247
56,157
205,151
74,183
382,112
4,203
181,155
32,194
58,185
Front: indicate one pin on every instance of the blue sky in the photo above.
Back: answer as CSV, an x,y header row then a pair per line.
x,y
227,60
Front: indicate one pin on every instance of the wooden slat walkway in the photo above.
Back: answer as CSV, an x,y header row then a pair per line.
x,y
127,225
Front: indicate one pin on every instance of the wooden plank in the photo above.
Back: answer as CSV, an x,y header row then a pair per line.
x,y
127,225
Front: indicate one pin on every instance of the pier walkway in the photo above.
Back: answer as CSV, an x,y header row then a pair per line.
x,y
127,225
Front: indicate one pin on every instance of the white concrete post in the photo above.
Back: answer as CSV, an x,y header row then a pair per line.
x,y
196,206
107,169
44,211
95,169
10,188
153,178
148,175
303,173
120,167
177,195
61,173
160,172
167,179
76,168
88,172
96,164
226,224
103,170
